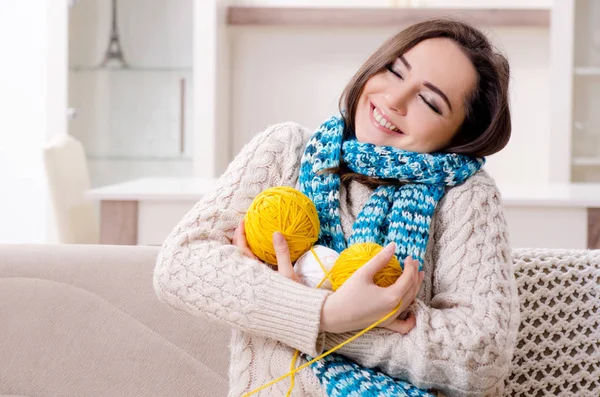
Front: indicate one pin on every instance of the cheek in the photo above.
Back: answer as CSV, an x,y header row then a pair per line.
x,y
429,130
362,111
423,121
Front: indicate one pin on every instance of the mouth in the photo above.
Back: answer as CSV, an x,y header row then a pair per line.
x,y
382,122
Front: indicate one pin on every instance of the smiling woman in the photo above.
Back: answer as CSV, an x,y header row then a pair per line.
x,y
400,166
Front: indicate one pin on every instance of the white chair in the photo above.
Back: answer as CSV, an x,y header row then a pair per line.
x,y
68,179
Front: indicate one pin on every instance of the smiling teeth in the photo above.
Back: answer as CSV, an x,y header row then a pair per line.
x,y
383,122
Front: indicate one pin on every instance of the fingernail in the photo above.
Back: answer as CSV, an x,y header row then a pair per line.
x,y
391,246
277,238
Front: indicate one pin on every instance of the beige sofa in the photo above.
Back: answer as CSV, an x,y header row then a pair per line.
x,y
81,321
84,321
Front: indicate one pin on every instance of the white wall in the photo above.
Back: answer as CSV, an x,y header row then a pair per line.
x,y
32,99
526,158
297,74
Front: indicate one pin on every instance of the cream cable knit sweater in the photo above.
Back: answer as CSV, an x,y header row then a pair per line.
x,y
467,311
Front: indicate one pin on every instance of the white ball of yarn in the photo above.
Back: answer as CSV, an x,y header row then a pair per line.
x,y
308,269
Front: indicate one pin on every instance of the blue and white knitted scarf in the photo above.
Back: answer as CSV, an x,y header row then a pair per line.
x,y
401,214
393,213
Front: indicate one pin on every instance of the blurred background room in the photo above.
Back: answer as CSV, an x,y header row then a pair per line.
x,y
117,115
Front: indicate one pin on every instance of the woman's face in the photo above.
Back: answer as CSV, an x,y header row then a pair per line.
x,y
418,103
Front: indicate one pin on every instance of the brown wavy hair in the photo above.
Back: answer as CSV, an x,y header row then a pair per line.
x,y
487,126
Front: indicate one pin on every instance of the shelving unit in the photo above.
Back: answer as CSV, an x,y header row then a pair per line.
x,y
133,114
575,140
586,91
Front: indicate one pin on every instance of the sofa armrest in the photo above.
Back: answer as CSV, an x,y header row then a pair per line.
x,y
558,347
84,320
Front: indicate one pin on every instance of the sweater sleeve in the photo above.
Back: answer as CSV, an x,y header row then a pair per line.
x,y
464,339
199,271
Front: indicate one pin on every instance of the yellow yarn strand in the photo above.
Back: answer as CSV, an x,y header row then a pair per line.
x,y
370,327
327,273
286,210
289,392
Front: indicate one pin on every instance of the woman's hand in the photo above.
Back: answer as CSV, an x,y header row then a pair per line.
x,y
239,240
359,302
282,251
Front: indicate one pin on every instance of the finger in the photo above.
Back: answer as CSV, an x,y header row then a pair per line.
x,y
236,234
242,227
415,263
406,280
282,253
412,295
420,282
408,293
379,261
416,275
242,241
403,326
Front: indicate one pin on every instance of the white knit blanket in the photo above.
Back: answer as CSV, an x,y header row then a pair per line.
x,y
558,347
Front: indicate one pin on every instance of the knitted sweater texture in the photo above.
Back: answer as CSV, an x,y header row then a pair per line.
x,y
467,310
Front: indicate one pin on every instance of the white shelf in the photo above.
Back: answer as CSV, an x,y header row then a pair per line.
x,y
587,71
586,161
381,16
155,188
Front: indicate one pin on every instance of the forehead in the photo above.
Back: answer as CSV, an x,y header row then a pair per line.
x,y
443,63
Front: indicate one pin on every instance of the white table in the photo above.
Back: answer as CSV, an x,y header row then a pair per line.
x,y
144,211
553,216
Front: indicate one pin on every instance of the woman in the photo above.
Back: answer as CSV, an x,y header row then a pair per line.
x,y
433,97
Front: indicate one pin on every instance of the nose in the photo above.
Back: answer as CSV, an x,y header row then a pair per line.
x,y
397,99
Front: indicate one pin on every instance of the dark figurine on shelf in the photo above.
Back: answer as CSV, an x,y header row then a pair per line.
x,y
114,53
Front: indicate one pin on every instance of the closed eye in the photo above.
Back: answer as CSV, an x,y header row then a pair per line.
x,y
396,73
431,105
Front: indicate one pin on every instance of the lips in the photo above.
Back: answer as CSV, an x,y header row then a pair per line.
x,y
382,122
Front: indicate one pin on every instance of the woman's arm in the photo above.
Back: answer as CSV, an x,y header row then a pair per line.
x,y
199,271
463,340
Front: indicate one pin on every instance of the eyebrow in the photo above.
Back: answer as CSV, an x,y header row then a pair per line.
x,y
428,84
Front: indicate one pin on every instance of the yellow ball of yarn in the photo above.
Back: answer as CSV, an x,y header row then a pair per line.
x,y
286,210
355,256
